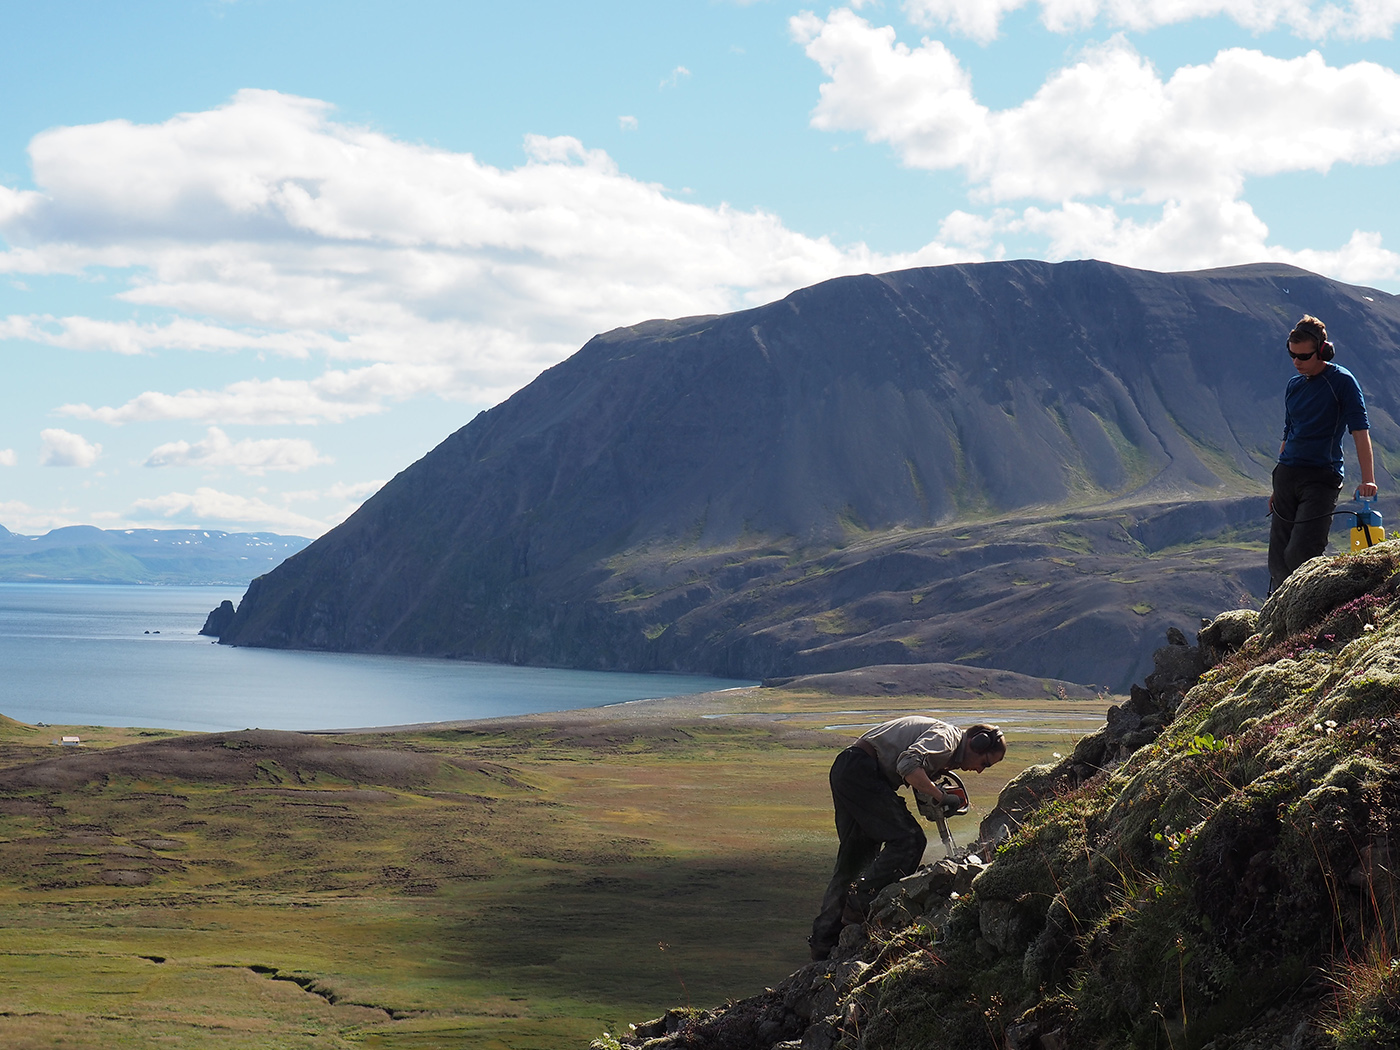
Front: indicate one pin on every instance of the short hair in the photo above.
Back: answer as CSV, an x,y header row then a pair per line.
x,y
1309,328
985,739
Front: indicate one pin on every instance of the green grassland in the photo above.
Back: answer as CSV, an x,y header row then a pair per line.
x,y
522,883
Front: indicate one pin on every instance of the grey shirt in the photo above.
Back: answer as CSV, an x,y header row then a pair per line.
x,y
905,744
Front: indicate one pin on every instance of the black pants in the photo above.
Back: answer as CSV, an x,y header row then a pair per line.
x,y
870,814
1304,499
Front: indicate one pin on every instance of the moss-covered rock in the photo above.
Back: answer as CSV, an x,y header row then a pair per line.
x,y
1226,881
1321,585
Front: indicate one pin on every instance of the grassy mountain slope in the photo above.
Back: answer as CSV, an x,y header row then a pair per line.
x,y
847,415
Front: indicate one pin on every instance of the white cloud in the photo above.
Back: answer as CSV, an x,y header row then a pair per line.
x,y
129,337
347,497
20,517
209,506
355,492
332,397
1109,131
265,225
1109,122
978,19
8,457
59,448
248,456
1311,19
675,77
627,123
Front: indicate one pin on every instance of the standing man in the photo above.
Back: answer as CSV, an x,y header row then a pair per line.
x,y
1321,402
880,839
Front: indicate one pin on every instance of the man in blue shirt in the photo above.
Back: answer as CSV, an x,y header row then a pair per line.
x,y
1321,402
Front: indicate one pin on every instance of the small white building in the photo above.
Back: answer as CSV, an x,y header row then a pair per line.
x,y
70,741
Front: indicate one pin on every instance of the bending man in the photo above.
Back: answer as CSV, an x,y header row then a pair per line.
x,y
1321,402
880,839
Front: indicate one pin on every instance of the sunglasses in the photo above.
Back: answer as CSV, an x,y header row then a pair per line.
x,y
1303,357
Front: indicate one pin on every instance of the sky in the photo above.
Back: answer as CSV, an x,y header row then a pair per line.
x,y
258,256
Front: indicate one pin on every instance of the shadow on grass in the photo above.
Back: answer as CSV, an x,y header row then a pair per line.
x,y
662,933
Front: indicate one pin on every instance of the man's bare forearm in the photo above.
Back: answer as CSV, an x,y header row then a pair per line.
x,y
1366,457
919,780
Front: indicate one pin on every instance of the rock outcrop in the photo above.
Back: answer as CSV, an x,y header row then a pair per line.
x,y
1149,709
216,623
1225,882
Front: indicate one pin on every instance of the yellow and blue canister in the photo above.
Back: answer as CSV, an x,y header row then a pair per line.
x,y
1368,531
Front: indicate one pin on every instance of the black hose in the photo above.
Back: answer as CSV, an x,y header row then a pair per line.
x,y
1298,521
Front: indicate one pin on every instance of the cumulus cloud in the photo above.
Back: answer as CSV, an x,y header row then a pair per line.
x,y
129,337
249,456
333,397
345,496
18,516
266,225
627,123
675,77
356,492
59,448
8,457
209,506
1109,126
1311,19
1109,122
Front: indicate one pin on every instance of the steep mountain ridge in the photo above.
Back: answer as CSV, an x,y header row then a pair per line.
x,y
740,444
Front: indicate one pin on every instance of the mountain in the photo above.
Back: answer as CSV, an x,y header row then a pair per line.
x,y
84,554
999,464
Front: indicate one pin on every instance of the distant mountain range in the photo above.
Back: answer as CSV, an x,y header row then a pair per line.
x,y
84,554
1000,465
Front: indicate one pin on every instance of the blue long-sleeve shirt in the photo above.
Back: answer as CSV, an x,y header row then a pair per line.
x,y
1318,410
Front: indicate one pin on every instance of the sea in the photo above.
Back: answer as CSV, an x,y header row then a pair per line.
x,y
111,655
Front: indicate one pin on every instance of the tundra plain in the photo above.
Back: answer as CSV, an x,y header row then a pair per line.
x,y
520,883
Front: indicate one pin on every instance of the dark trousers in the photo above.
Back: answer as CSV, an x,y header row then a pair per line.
x,y
1304,499
870,814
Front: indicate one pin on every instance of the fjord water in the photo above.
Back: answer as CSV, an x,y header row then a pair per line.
x,y
80,654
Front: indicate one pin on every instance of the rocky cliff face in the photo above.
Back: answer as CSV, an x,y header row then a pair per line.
x,y
1215,868
668,468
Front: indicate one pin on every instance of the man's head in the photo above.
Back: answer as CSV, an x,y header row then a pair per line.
x,y
983,746
1308,346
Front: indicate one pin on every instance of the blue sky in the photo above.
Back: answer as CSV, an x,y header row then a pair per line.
x,y
258,256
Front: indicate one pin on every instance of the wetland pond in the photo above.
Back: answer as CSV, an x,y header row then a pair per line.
x,y
112,655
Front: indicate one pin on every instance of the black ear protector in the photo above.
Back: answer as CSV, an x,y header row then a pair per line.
x,y
1309,329
984,740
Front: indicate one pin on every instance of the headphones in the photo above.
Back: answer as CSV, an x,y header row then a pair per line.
x,y
1309,329
988,739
